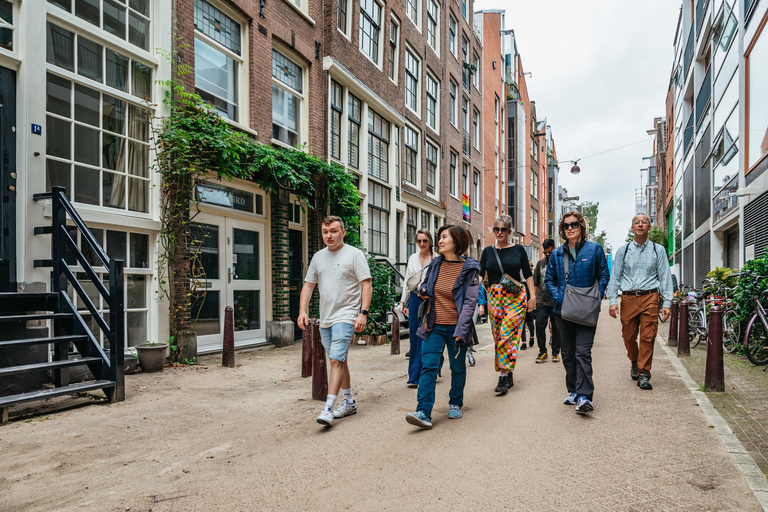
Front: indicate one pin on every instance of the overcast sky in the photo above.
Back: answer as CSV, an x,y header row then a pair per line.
x,y
600,74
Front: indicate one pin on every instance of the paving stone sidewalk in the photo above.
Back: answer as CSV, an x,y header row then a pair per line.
x,y
743,405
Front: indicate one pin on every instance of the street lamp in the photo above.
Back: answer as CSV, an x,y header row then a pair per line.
x,y
575,169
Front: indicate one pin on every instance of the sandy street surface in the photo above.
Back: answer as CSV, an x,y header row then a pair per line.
x,y
212,438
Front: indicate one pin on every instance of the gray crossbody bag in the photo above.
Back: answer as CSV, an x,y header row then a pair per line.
x,y
580,305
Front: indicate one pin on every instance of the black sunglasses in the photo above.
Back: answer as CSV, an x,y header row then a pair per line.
x,y
572,225
497,229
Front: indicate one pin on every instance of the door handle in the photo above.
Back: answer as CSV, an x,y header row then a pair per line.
x,y
230,274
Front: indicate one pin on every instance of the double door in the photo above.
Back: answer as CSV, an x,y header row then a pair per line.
x,y
232,257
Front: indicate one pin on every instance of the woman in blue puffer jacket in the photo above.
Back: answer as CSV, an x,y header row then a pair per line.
x,y
587,266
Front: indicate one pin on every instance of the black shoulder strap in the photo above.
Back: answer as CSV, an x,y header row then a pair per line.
x,y
566,255
498,260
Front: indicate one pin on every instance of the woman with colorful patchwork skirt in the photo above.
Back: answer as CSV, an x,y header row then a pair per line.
x,y
507,305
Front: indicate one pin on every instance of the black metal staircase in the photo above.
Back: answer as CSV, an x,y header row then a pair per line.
x,y
72,342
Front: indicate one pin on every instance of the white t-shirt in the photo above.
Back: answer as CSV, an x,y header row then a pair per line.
x,y
338,275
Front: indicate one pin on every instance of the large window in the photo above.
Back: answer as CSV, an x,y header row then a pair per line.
x,y
353,132
431,156
454,177
411,81
128,22
337,111
433,17
452,34
464,9
217,58
465,177
412,11
287,98
97,146
378,146
476,128
394,35
432,102
378,218
370,29
411,228
454,103
342,15
476,190
476,69
464,61
411,156
757,102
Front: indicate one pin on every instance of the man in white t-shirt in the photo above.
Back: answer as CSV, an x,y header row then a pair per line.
x,y
343,279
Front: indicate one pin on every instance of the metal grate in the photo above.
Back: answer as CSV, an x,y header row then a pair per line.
x,y
703,258
703,181
688,265
688,200
756,224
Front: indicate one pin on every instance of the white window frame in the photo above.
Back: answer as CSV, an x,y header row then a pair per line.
x,y
409,75
453,164
376,59
347,18
394,70
412,130
453,27
412,12
434,125
476,187
337,110
475,75
436,192
454,103
475,128
433,25
303,105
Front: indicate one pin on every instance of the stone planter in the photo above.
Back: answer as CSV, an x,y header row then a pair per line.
x,y
130,363
152,357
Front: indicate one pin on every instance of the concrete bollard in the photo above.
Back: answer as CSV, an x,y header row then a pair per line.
x,y
228,351
714,378
306,350
319,370
395,349
672,338
683,343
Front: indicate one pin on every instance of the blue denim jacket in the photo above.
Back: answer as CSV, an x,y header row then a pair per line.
x,y
590,266
465,293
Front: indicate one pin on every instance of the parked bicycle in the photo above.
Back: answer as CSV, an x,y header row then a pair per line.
x,y
697,318
719,296
756,335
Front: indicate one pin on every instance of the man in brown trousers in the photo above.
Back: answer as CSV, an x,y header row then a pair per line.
x,y
641,272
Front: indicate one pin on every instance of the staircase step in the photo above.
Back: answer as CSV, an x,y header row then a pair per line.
x,y
40,341
43,230
11,302
36,316
80,387
42,195
54,365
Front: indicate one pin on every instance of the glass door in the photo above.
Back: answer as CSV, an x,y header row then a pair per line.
x,y
208,237
245,279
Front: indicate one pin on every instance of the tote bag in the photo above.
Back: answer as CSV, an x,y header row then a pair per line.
x,y
581,305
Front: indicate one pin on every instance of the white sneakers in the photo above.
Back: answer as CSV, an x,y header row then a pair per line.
x,y
326,417
345,409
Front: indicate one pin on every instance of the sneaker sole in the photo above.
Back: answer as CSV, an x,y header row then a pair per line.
x,y
541,361
345,415
454,417
325,423
585,409
413,420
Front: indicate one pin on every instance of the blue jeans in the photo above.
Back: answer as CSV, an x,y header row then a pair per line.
x,y
431,352
414,359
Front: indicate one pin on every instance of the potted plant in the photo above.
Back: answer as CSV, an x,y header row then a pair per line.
x,y
130,359
152,355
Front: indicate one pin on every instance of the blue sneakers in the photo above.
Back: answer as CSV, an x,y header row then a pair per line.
x,y
583,404
454,412
419,419
570,399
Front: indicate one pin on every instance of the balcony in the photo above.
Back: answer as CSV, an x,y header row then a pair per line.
x,y
688,134
702,100
701,8
466,144
688,56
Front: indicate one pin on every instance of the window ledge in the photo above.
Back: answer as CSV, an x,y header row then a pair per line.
x,y
302,13
240,127
282,144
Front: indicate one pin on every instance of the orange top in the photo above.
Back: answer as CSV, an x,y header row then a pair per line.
x,y
446,312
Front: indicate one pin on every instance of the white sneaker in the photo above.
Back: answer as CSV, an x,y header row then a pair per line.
x,y
570,399
326,417
345,409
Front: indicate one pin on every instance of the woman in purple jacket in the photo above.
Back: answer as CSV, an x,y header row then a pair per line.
x,y
451,289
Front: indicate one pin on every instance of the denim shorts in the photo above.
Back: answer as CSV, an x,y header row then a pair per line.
x,y
336,340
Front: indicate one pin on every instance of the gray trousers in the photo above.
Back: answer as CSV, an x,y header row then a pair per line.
x,y
576,350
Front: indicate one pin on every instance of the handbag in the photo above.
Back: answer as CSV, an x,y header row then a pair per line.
x,y
581,305
506,282
424,308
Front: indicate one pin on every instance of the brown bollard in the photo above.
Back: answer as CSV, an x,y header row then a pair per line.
x,y
714,378
683,343
228,351
319,371
395,349
672,338
306,350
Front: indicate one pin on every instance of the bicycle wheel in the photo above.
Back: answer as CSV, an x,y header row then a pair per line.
x,y
697,327
756,342
731,331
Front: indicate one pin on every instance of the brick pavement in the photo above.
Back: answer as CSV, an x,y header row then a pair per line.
x,y
743,405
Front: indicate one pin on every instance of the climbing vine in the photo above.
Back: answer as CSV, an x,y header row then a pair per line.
x,y
193,144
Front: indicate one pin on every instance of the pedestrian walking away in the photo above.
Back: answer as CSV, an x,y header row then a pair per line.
x,y
640,272
482,302
507,306
343,280
528,335
586,266
545,307
410,301
451,291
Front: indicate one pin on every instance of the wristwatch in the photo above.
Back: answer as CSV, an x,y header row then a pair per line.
x,y
363,312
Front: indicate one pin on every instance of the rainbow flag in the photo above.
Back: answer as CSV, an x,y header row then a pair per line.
x,y
465,205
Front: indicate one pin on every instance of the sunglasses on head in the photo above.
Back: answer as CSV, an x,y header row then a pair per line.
x,y
497,229
572,225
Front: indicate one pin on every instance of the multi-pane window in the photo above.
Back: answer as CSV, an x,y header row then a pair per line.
x,y
465,177
411,228
337,111
217,58
394,34
370,29
411,155
378,218
535,185
476,190
411,81
452,34
128,22
97,146
342,15
476,127
464,10
466,143
424,219
433,15
454,177
454,107
757,103
287,96
464,61
432,101
378,146
475,68
6,22
431,156
396,136
412,10
353,132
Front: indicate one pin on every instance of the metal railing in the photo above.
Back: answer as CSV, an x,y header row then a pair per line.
x,y
702,100
688,55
